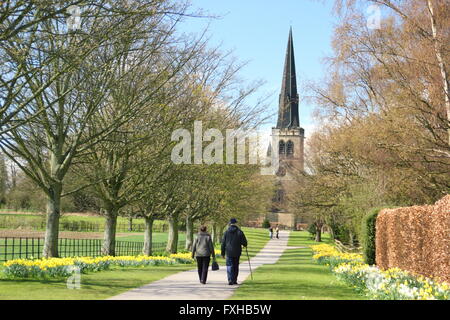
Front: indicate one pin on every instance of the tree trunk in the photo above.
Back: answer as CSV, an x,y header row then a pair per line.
x,y
318,233
130,224
442,67
189,232
332,235
52,228
109,236
172,241
214,233
220,234
148,236
351,239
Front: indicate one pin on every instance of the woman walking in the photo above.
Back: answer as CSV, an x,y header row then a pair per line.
x,y
202,250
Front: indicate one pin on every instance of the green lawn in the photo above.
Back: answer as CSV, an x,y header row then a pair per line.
x,y
69,222
157,237
92,219
94,286
104,284
120,220
256,238
295,277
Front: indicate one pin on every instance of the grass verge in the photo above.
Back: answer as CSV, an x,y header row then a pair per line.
x,y
295,277
104,284
94,286
256,238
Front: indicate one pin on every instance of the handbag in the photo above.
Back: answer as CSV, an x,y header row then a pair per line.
x,y
214,265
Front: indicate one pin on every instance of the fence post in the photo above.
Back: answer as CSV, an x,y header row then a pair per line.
x,y
6,249
39,248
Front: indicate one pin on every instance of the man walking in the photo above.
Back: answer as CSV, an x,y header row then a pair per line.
x,y
232,243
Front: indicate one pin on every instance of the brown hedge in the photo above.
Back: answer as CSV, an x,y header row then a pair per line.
x,y
416,239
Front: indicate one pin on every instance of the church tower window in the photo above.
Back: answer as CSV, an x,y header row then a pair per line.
x,y
282,148
290,148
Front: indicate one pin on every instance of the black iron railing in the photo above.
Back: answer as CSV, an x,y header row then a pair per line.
x,y
30,248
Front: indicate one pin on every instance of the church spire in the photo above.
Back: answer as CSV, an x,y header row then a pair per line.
x,y
288,105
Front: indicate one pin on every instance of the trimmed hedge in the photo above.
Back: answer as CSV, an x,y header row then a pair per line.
x,y
415,239
368,232
266,223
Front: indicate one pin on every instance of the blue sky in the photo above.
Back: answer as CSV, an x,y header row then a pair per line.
x,y
257,31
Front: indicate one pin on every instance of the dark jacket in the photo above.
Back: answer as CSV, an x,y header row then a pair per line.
x,y
203,246
232,242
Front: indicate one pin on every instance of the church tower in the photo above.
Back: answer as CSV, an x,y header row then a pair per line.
x,y
287,140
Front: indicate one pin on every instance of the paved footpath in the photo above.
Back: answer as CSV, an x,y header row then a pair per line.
x,y
186,286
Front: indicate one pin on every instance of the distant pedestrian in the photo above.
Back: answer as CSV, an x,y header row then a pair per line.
x,y
202,250
271,232
277,232
232,243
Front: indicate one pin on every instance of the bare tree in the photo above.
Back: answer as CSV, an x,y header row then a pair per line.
x,y
389,85
60,108
37,35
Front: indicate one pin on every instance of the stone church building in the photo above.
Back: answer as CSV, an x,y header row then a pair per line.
x,y
287,146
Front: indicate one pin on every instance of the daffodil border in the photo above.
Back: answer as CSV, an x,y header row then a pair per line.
x,y
376,284
64,267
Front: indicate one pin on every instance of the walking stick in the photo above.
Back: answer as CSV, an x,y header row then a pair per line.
x,y
248,258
